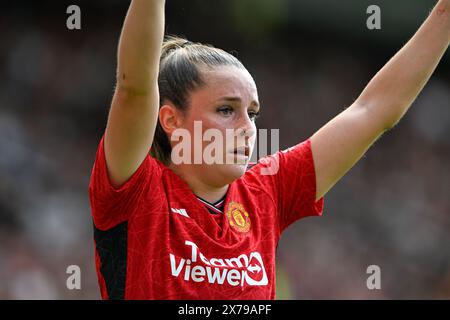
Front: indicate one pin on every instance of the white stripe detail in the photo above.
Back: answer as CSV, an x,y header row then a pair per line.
x,y
182,212
211,206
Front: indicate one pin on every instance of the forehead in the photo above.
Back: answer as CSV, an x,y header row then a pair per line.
x,y
226,82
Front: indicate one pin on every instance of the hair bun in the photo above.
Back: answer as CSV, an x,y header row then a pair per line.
x,y
173,43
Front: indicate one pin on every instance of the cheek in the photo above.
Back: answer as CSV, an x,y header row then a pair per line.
x,y
207,121
210,121
201,127
213,123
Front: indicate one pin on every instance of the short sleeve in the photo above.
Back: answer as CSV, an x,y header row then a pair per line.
x,y
290,176
111,206
297,185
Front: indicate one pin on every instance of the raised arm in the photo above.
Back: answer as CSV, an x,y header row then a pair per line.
x,y
339,144
134,109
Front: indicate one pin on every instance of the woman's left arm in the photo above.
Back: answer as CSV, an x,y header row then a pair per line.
x,y
338,145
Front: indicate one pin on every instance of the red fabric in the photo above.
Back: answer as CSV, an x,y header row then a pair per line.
x,y
203,256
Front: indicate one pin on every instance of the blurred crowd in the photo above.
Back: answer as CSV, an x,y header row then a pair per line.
x,y
391,210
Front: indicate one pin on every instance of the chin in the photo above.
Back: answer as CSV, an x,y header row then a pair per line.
x,y
232,172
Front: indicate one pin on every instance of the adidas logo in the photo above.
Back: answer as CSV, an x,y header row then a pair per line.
x,y
183,212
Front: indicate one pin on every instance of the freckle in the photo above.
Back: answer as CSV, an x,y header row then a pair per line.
x,y
123,76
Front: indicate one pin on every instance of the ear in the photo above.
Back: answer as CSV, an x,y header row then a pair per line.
x,y
170,118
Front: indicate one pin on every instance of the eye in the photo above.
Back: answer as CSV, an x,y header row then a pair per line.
x,y
226,110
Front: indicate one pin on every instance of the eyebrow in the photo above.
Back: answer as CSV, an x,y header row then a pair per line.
x,y
237,99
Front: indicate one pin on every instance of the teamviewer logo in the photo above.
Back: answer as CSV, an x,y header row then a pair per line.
x,y
256,274
244,269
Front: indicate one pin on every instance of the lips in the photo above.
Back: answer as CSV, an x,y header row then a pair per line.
x,y
242,151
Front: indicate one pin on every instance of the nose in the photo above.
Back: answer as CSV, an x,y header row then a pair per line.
x,y
246,132
246,127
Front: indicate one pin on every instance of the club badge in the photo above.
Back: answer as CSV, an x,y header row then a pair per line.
x,y
237,217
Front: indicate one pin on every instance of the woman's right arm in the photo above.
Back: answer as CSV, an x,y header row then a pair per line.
x,y
134,109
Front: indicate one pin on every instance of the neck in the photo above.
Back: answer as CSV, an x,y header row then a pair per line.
x,y
199,187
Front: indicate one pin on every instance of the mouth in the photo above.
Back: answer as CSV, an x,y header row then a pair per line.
x,y
242,151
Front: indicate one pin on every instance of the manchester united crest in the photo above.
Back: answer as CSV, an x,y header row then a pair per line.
x,y
237,217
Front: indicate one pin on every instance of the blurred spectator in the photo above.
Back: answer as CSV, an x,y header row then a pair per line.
x,y
392,209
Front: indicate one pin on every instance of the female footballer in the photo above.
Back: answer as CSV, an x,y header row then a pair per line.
x,y
170,229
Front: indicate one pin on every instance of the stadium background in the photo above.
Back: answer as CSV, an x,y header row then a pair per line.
x,y
310,60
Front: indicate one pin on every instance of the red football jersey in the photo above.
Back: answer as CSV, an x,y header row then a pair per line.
x,y
155,240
